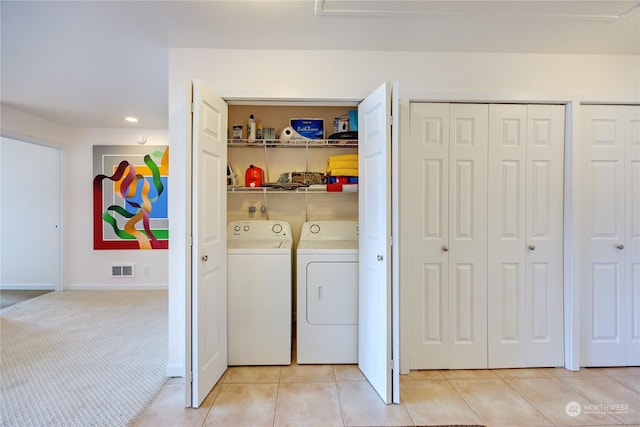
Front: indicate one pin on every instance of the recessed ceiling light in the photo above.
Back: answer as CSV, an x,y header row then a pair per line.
x,y
131,119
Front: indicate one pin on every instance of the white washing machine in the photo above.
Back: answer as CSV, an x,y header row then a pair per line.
x,y
259,261
327,292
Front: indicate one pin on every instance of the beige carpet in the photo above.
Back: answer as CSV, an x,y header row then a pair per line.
x,y
10,297
82,358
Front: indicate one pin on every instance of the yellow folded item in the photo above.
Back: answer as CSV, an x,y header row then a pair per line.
x,y
344,157
342,164
344,172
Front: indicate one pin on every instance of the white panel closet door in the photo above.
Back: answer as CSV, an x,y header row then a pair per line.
x,y
611,294
486,259
632,234
375,285
449,300
525,228
506,267
544,236
468,236
209,254
429,167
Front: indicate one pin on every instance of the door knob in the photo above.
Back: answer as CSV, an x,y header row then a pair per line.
x,y
380,257
532,247
445,248
205,258
620,246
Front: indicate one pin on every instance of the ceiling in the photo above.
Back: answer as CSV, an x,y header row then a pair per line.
x,y
91,63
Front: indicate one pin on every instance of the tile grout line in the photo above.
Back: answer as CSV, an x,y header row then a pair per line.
x,y
275,409
462,397
335,383
614,378
406,408
221,383
504,380
596,374
593,403
413,421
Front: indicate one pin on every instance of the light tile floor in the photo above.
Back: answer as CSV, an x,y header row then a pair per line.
x,y
338,395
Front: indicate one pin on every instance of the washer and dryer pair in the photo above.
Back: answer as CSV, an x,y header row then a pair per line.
x,y
259,292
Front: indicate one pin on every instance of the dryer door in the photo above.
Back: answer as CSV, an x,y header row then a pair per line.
x,y
332,293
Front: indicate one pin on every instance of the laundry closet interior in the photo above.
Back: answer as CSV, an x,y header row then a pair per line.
x,y
284,157
293,192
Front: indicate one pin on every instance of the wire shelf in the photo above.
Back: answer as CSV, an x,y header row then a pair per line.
x,y
293,143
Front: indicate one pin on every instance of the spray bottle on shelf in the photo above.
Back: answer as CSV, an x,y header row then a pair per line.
x,y
259,131
251,130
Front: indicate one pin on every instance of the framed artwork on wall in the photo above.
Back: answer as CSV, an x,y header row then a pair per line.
x,y
130,208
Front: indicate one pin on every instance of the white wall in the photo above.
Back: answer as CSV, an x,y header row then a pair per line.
x,y
351,76
465,76
88,268
84,267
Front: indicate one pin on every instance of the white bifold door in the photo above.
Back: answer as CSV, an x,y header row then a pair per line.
x,y
486,255
611,250
448,166
525,230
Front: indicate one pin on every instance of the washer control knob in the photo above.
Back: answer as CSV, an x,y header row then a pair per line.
x,y
246,227
314,228
277,228
236,228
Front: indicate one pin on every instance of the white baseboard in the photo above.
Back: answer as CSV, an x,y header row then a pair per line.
x,y
116,287
175,371
27,286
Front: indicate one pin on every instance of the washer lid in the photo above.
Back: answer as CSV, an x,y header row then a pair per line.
x,y
328,246
262,246
329,230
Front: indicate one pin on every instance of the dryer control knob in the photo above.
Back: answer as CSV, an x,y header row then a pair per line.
x,y
236,228
246,228
315,228
277,228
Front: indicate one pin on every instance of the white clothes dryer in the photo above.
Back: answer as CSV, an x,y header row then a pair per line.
x,y
259,261
327,293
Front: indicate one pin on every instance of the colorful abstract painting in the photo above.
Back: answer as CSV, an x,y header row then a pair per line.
x,y
130,209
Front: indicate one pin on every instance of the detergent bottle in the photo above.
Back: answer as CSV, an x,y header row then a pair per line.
x,y
251,129
253,176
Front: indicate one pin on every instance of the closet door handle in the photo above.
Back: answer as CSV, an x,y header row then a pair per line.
x,y
445,248
532,247
620,246
205,258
